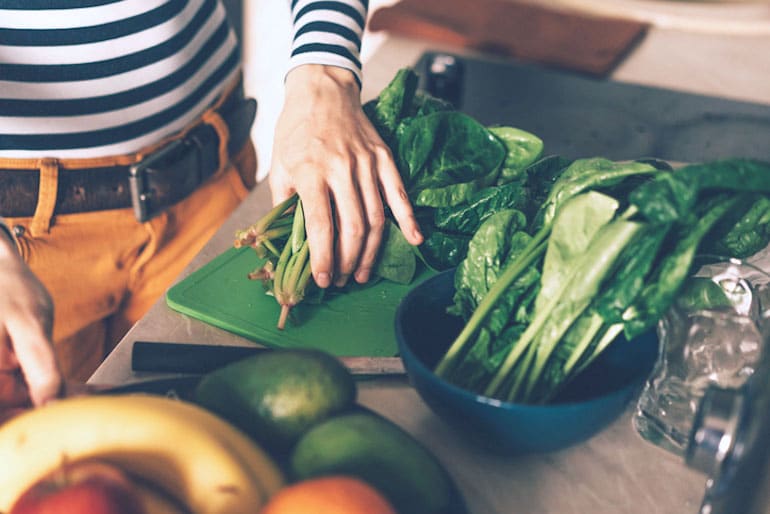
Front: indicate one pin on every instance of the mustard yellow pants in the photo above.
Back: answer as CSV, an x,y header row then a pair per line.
x,y
104,269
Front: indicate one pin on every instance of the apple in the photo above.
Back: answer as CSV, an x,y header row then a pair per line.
x,y
82,487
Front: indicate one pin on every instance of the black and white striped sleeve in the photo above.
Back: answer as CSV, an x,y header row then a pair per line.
x,y
328,32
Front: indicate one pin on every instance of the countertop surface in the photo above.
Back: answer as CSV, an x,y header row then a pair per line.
x,y
615,472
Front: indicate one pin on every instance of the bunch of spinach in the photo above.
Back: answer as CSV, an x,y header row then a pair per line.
x,y
606,253
456,171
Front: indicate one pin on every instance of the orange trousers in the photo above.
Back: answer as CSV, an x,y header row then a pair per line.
x,y
104,269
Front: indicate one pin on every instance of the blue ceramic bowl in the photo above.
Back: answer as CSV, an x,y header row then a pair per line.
x,y
594,399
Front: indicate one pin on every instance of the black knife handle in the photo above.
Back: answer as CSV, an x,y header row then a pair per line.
x,y
184,357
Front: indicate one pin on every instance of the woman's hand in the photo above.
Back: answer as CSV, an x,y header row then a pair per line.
x,y
29,373
327,151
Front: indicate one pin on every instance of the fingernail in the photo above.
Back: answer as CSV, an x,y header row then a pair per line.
x,y
322,280
341,281
362,275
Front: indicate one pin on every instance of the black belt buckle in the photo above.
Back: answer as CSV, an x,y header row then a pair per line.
x,y
145,206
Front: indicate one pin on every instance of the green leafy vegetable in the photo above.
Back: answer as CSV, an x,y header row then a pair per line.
x,y
398,263
702,293
555,257
523,149
613,244
445,157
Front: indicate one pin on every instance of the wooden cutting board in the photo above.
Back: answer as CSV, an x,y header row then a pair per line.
x,y
356,323
522,29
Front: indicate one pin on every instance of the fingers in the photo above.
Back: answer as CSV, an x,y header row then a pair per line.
x,y
8,361
327,150
398,201
32,347
319,229
374,222
13,389
26,324
351,228
345,215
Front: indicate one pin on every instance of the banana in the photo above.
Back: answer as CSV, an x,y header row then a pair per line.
x,y
155,501
263,468
189,452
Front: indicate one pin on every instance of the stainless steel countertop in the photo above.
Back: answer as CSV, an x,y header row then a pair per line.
x,y
615,472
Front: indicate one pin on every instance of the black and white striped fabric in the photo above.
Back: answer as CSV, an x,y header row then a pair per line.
x,y
89,78
328,32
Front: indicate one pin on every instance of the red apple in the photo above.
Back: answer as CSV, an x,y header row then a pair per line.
x,y
85,487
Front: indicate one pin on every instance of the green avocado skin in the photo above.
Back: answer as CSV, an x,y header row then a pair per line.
x,y
276,396
364,444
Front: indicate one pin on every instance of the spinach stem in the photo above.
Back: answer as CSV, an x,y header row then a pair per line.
x,y
280,271
533,250
247,236
297,265
609,336
268,244
298,228
597,323
573,300
522,373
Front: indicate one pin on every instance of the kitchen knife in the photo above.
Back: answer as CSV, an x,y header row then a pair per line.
x,y
163,357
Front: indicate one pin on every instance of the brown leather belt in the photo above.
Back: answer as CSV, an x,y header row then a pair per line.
x,y
151,185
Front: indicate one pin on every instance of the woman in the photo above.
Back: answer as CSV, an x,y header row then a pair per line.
x,y
122,149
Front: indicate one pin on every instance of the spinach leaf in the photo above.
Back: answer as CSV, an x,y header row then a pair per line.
x,y
396,260
424,104
445,157
541,177
667,198
523,149
392,104
739,175
442,250
467,217
585,174
565,298
702,293
576,226
631,276
671,196
673,268
590,272
488,251
498,242
742,234
448,229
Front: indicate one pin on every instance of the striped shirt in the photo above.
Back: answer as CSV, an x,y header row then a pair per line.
x,y
90,78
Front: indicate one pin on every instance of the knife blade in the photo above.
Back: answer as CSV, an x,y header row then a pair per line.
x,y
176,387
165,357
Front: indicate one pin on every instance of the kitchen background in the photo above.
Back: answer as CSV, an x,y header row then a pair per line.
x,y
715,31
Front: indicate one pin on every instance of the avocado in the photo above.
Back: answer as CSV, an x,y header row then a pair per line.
x,y
275,396
367,445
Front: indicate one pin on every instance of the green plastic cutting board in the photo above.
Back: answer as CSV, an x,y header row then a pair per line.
x,y
358,322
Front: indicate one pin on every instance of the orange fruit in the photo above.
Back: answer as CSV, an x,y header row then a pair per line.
x,y
334,494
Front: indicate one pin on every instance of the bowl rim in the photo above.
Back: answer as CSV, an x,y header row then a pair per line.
x,y
486,400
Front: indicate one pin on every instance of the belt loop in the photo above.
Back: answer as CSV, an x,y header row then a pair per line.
x,y
46,197
212,118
